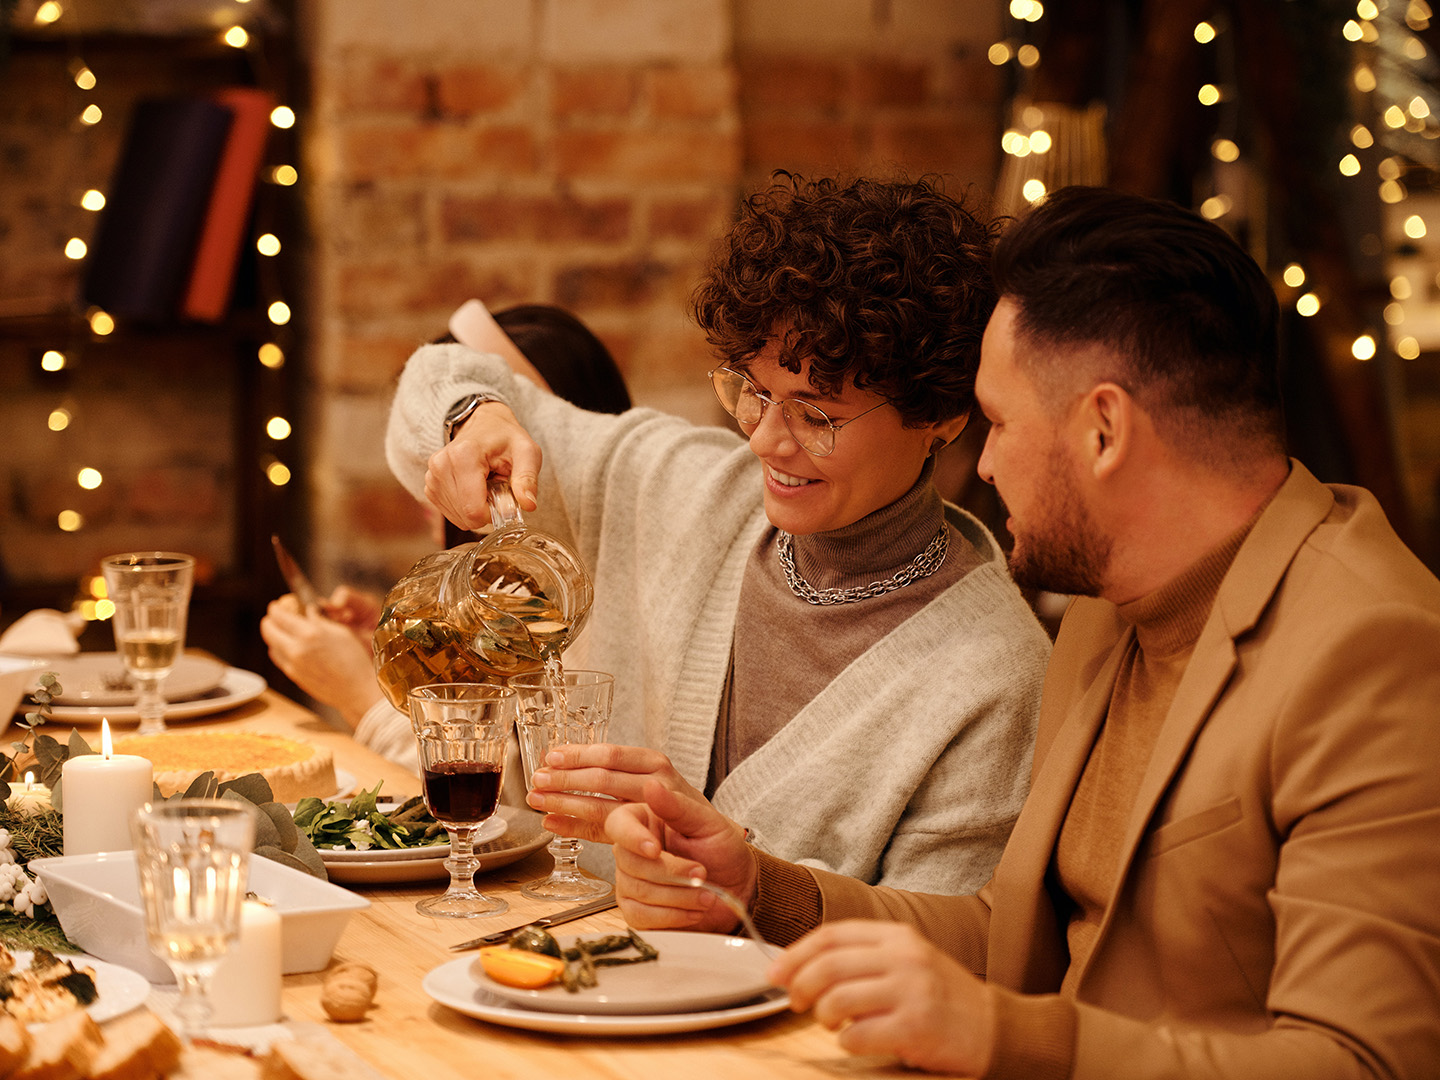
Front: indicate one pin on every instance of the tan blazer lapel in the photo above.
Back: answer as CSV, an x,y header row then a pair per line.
x,y
1259,567
1024,919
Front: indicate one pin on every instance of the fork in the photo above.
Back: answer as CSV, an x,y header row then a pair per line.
x,y
731,901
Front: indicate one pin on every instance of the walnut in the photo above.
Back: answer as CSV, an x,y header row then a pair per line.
x,y
348,991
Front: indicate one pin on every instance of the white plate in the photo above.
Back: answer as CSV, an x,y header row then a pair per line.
x,y
694,973
521,835
236,688
119,988
99,678
453,985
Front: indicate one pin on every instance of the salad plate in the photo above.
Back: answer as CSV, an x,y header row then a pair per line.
x,y
456,986
100,678
693,973
516,834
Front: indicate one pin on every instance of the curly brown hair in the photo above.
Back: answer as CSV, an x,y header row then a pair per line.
x,y
883,284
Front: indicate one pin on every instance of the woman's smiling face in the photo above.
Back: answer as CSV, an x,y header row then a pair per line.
x,y
875,461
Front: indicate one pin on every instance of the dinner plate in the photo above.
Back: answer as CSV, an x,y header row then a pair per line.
x,y
521,836
454,985
491,830
99,678
118,988
693,973
236,687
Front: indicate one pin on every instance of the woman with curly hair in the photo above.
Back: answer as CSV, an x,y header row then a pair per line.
x,y
799,626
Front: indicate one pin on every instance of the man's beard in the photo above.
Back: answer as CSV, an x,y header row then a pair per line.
x,y
1062,551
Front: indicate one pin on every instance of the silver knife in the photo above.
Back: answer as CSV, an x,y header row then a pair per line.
x,y
592,908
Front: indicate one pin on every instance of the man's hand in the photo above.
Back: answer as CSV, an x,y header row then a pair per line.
x,y
889,991
490,441
619,772
663,842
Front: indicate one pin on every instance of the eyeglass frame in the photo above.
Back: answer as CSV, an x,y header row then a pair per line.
x,y
766,400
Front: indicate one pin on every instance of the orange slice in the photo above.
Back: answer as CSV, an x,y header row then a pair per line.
x,y
519,968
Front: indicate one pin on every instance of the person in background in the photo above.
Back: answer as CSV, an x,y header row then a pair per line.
x,y
1227,864
798,625
327,651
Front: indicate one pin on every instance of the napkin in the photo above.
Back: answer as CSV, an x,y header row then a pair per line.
x,y
43,632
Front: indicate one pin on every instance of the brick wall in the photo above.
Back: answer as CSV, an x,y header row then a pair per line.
x,y
585,153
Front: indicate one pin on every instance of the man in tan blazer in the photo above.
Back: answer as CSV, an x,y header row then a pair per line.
x,y
1229,862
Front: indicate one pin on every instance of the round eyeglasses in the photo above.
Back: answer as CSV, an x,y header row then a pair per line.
x,y
808,425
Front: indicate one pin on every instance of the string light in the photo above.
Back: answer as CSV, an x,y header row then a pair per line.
x,y
1364,78
1217,206
91,115
1027,55
271,355
1349,165
1224,150
1308,305
267,244
1407,348
1414,226
48,13
284,175
1294,275
52,360
999,54
75,248
93,200
278,428
58,420
1033,190
277,472
1352,31
101,323
89,478
282,116
278,313
236,37
69,521
1394,313
1209,94
84,77
1400,287
1367,10
1204,33
1363,347
1361,138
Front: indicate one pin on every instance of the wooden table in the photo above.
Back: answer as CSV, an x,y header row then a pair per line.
x,y
411,1037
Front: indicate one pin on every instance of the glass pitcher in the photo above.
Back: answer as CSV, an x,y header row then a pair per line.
x,y
481,612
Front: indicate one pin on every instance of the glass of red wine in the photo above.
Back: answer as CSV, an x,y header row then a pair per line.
x,y
462,730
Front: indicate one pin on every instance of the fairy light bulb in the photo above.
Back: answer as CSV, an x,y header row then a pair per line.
x,y
1361,138
1392,192
1294,275
1040,142
89,478
1209,94
1400,287
999,54
1204,33
1352,30
267,244
1363,347
278,473
48,13
69,521
284,175
282,116
75,248
1349,165
84,78
278,428
1033,190
1419,107
236,37
91,115
1394,313
1364,78
58,420
1367,10
1415,226
1407,348
93,200
271,356
278,313
1414,49
1308,305
1028,56
1394,117
1224,150
101,323
52,360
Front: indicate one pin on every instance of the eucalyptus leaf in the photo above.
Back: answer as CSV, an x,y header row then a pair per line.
x,y
202,787
76,746
279,821
252,786
284,858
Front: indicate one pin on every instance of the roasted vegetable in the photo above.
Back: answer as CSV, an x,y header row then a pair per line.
x,y
537,940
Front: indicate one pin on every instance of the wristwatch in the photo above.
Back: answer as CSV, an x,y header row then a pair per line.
x,y
461,410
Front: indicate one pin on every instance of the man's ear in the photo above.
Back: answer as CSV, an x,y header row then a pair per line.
x,y
1107,423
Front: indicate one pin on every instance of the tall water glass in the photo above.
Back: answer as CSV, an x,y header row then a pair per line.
x,y
462,731
554,710
151,594
193,859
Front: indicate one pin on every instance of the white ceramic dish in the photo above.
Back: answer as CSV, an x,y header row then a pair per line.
x,y
521,834
453,985
99,678
118,989
97,900
236,688
694,973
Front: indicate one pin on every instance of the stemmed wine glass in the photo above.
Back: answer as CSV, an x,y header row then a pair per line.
x,y
151,594
193,859
462,730
557,709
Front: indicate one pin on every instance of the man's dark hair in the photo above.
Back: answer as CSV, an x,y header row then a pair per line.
x,y
883,284
1190,316
576,363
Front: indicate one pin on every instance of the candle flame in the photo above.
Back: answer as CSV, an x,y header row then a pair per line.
x,y
29,780
106,748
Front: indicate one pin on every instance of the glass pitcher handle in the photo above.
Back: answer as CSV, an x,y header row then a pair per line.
x,y
504,510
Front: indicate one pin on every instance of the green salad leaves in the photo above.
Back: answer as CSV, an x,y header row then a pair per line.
x,y
359,824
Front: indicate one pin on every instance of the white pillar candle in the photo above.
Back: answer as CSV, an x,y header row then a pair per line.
x,y
99,796
245,989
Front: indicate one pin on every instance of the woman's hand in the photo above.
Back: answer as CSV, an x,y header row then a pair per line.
x,y
490,441
889,991
662,842
603,769
328,660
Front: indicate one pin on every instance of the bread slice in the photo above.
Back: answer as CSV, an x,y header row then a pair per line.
x,y
315,1059
138,1046
61,1049
14,1043
200,1062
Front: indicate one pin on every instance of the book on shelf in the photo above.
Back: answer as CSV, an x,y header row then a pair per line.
x,y
227,215
143,250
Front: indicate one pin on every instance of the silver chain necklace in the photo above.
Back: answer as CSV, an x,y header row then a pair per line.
x,y
922,566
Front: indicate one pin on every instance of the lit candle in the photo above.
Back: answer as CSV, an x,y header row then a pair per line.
x,y
245,990
100,794
28,798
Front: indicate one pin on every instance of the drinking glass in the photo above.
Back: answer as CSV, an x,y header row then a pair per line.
x,y
462,730
569,708
193,859
151,594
